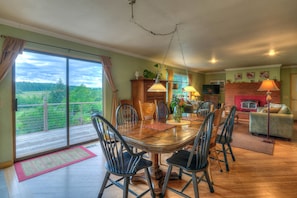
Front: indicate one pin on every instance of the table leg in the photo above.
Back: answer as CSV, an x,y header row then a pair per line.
x,y
156,173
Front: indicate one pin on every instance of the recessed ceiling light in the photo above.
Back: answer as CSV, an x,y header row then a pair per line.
x,y
271,52
213,60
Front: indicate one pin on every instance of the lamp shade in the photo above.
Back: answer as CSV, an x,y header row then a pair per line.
x,y
268,85
196,94
157,87
189,88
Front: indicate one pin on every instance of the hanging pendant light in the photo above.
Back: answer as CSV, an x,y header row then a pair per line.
x,y
188,88
157,86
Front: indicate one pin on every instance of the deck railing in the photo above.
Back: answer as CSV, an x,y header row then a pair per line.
x,y
32,118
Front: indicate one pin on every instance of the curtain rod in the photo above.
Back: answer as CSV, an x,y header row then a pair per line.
x,y
64,48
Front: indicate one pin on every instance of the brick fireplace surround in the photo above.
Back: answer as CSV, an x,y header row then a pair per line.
x,y
236,92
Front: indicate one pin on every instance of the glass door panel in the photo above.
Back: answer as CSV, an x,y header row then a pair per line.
x,y
40,92
85,98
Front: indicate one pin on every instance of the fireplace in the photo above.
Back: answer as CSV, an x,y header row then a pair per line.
x,y
249,103
235,93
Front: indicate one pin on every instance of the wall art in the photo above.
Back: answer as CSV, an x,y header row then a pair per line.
x,y
264,74
250,75
238,76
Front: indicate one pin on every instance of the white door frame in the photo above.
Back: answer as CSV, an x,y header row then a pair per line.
x,y
293,98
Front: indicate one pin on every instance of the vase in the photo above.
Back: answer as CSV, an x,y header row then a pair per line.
x,y
177,113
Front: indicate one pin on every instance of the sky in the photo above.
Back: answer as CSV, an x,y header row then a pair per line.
x,y
44,68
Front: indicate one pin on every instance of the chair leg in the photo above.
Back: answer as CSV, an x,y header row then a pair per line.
x,y
149,181
126,187
195,185
225,157
209,170
215,156
209,182
107,174
231,152
166,180
180,173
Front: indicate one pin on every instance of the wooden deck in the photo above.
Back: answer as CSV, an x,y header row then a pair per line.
x,y
38,142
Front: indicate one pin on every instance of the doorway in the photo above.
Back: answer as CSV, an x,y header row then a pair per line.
x,y
54,99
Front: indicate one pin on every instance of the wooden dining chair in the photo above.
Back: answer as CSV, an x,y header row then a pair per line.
x,y
162,114
147,110
193,161
162,111
121,161
126,114
225,137
204,108
126,101
213,155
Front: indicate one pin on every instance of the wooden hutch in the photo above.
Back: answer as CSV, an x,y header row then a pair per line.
x,y
139,92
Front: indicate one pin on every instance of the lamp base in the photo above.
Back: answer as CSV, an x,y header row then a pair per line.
x,y
267,140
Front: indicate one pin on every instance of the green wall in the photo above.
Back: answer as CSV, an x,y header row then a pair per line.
x,y
6,136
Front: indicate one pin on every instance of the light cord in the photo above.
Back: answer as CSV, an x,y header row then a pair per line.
x,y
132,2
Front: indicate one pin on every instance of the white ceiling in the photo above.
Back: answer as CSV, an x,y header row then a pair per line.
x,y
238,33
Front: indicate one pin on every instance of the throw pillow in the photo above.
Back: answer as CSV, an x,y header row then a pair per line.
x,y
272,110
274,105
284,110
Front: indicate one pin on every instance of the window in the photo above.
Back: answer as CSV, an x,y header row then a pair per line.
x,y
181,81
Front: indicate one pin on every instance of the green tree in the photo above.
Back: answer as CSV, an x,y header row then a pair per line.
x,y
58,94
80,94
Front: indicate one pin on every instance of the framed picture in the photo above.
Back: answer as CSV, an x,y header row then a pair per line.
x,y
250,75
264,74
238,76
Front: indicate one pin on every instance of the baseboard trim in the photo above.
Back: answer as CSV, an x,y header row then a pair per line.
x,y
6,164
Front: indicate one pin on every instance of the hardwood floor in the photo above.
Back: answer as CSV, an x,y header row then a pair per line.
x,y
252,175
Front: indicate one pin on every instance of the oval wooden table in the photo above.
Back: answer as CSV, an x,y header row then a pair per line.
x,y
155,138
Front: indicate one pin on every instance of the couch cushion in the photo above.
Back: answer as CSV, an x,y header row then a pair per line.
x,y
272,110
285,109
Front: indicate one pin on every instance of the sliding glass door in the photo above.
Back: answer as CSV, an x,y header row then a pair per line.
x,y
85,98
55,97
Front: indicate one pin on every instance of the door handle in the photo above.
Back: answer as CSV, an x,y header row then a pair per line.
x,y
16,105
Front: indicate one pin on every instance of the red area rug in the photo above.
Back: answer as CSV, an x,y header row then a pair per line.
x,y
40,165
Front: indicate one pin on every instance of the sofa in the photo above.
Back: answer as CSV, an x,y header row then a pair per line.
x,y
281,121
191,106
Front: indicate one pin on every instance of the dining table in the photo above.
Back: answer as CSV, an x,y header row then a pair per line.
x,y
157,137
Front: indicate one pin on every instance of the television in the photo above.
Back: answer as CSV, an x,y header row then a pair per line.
x,y
211,89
